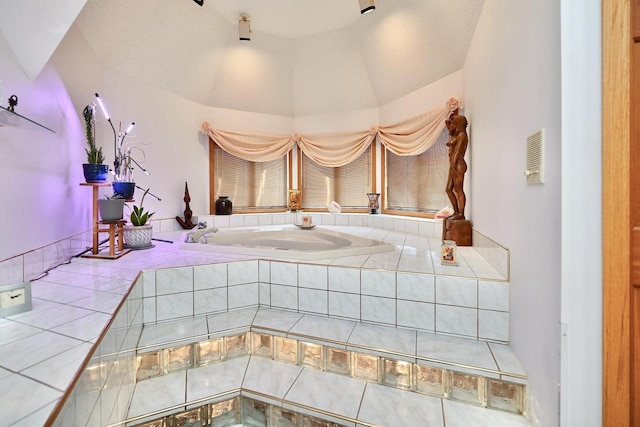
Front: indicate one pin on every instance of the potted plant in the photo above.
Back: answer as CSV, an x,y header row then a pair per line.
x,y
111,208
94,169
138,234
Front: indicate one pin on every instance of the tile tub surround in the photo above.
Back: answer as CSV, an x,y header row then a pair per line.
x,y
108,282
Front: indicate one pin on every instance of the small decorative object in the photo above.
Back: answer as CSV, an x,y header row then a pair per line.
x,y
444,213
294,200
124,189
449,253
94,170
223,206
374,203
111,208
334,207
186,222
13,101
138,235
307,221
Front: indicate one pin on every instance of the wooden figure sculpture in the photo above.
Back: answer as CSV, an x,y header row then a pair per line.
x,y
456,227
186,223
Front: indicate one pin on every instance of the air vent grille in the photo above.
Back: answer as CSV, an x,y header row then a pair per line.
x,y
535,164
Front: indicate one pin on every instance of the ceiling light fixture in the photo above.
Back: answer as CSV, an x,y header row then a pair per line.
x,y
200,2
244,27
367,6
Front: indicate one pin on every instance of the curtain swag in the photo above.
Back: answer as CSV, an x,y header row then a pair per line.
x,y
407,138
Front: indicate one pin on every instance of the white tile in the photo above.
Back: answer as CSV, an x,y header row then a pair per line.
x,y
457,320
242,272
189,329
387,406
12,271
34,349
344,305
341,395
209,276
264,291
86,328
326,328
284,297
384,337
416,287
493,295
493,325
174,306
344,279
59,370
313,276
270,377
313,301
279,320
217,378
158,393
414,314
459,414
378,283
376,309
149,310
264,271
284,273
506,359
26,397
210,301
237,220
174,280
33,264
243,295
457,291
450,349
13,331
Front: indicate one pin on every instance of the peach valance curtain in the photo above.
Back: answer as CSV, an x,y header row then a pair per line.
x,y
407,138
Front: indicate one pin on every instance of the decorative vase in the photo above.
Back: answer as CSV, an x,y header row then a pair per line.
x,y
111,209
138,237
223,206
374,204
124,189
95,172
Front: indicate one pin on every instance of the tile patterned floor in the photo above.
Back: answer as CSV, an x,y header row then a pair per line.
x,y
71,306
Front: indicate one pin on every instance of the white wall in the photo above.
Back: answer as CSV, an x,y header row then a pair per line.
x,y
39,171
512,90
581,399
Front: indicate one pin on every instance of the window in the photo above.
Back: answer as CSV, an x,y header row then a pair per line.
x,y
417,183
251,186
348,185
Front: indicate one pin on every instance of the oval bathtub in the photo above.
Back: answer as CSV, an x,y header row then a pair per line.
x,y
297,243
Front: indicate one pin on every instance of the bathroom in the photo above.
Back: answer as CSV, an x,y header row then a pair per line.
x,y
501,112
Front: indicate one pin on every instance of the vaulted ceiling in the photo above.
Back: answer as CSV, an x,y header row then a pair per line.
x,y
305,57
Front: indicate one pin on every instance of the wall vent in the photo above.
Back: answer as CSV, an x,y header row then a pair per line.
x,y
535,164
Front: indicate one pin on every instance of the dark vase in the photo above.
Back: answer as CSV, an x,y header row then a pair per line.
x,y
124,189
95,172
223,206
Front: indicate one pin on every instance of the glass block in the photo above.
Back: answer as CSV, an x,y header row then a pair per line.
x,y
149,365
262,345
178,359
192,418
397,373
224,414
467,388
336,360
366,366
283,417
310,354
154,423
208,351
286,350
315,422
431,380
254,413
506,396
236,345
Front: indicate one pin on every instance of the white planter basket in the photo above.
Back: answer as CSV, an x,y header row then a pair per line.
x,y
138,237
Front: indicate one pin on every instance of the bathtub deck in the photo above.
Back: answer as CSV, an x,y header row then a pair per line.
x,y
41,350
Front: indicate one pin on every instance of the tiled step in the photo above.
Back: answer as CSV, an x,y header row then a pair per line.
x,y
420,363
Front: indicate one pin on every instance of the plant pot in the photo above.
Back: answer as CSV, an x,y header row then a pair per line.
x,y
95,172
111,209
124,189
138,237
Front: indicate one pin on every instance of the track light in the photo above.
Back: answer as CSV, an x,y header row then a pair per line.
x,y
367,6
244,28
